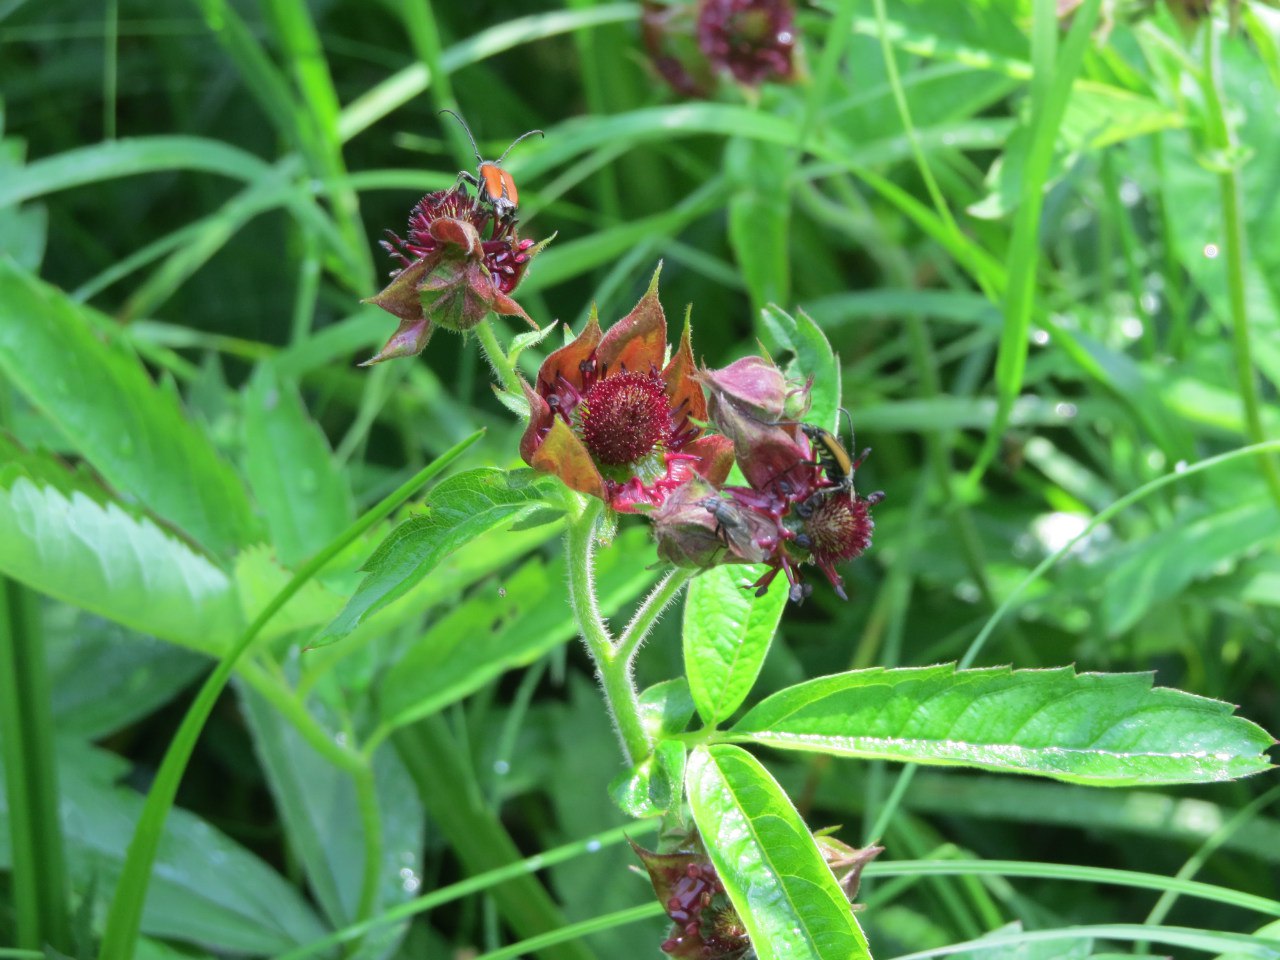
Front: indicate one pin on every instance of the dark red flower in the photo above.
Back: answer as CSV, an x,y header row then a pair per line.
x,y
794,510
754,40
696,527
460,262
668,28
707,927
611,421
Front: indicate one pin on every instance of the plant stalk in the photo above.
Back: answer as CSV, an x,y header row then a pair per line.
x,y
1234,247
613,669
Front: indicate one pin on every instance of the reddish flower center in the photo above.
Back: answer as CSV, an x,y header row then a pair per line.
x,y
839,528
624,417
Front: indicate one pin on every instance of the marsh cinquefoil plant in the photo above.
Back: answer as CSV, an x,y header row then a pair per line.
x,y
620,423
1002,214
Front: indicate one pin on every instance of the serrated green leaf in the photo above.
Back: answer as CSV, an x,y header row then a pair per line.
x,y
100,397
813,358
499,629
1102,729
259,576
458,510
101,558
727,632
304,497
768,861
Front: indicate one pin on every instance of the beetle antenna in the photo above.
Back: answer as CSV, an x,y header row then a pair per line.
x,y
849,417
474,148
522,136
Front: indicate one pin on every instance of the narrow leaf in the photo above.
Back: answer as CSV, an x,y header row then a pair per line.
x,y
458,510
768,861
100,397
727,632
1102,729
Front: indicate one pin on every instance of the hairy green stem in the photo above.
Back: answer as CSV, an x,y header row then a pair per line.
x,y
1234,246
613,670
125,916
663,592
497,357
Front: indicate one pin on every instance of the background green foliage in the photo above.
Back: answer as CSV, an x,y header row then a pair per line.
x,y
199,188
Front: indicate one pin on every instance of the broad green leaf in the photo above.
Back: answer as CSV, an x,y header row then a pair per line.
x,y
727,632
1102,729
654,785
242,906
318,804
666,708
105,677
100,397
768,861
100,557
303,495
458,510
813,358
503,626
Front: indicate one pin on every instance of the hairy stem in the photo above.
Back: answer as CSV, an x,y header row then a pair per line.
x,y
496,356
613,669
663,592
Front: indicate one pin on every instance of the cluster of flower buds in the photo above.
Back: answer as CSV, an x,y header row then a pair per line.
x,y
688,42
461,260
706,925
614,418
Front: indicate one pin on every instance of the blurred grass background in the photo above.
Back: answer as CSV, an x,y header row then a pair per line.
x,y
992,218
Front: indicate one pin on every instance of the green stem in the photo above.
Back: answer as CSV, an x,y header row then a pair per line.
x,y
371,826
1234,247
125,915
497,357
613,670
40,889
38,861
290,706
663,592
